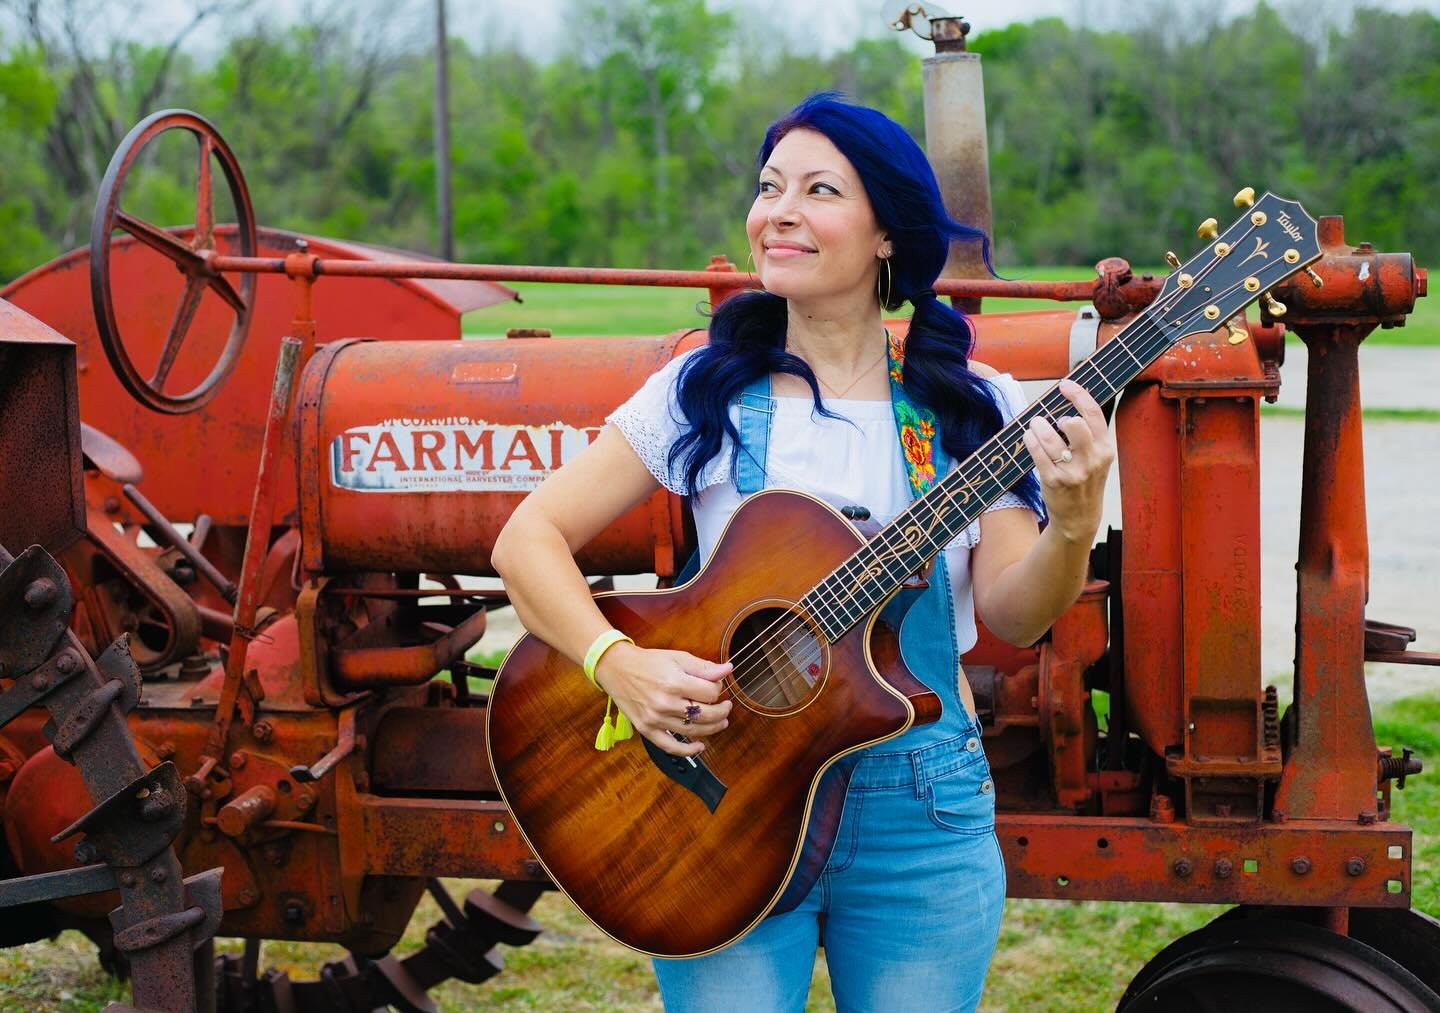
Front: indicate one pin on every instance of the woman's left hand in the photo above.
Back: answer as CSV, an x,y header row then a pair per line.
x,y
1072,478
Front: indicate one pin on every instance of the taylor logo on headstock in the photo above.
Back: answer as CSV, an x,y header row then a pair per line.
x,y
1291,229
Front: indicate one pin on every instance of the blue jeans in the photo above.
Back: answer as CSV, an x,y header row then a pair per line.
x,y
908,906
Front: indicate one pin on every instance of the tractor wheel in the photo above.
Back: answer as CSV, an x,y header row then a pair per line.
x,y
1276,965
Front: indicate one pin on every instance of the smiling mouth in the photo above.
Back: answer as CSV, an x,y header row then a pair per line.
x,y
783,252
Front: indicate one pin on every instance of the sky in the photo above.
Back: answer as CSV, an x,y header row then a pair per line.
x,y
537,26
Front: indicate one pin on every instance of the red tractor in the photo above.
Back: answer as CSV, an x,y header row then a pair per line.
x,y
231,570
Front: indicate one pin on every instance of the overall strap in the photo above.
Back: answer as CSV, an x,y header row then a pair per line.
x,y
757,408
924,456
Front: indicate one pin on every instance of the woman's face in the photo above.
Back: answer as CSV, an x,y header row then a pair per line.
x,y
812,231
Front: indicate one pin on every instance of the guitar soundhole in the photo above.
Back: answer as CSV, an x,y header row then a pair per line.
x,y
779,659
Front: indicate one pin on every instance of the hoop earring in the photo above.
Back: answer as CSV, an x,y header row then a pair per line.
x,y
885,299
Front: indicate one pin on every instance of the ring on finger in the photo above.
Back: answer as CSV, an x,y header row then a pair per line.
x,y
1065,457
692,711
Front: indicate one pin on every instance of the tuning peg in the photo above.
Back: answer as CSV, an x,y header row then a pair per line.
x,y
1238,334
1274,306
1245,198
1172,260
1315,279
1209,229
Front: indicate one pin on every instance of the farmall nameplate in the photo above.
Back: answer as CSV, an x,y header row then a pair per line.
x,y
452,455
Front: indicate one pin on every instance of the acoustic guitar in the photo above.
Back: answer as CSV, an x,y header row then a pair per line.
x,y
676,857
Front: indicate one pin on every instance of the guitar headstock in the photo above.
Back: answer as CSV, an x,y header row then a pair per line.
x,y
1272,239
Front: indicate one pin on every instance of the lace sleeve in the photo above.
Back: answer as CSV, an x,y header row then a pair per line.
x,y
651,421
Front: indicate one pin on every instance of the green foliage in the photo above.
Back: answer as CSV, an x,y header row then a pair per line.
x,y
634,146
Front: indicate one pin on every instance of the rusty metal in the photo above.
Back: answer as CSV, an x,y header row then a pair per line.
x,y
108,456
326,763
181,544
956,142
246,810
1137,293
41,502
1071,857
381,655
236,691
139,812
189,257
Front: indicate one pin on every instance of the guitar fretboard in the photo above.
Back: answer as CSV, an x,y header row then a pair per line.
x,y
932,521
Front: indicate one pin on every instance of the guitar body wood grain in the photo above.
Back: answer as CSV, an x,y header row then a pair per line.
x,y
644,857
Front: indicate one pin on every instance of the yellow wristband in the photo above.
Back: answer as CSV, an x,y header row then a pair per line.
x,y
602,643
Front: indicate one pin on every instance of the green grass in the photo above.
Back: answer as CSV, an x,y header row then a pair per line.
x,y
1376,413
608,310
1053,955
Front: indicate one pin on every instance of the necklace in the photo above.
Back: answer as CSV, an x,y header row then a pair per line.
x,y
839,394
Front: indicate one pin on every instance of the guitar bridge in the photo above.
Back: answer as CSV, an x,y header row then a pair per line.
x,y
689,772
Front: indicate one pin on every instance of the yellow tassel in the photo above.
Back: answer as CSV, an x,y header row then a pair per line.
x,y
605,737
623,728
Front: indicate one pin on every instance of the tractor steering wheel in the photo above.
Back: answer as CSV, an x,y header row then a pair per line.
x,y
191,257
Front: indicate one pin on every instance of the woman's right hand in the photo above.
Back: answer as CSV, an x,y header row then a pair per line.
x,y
653,688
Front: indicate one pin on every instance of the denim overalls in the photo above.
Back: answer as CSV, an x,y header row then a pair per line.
x,y
908,907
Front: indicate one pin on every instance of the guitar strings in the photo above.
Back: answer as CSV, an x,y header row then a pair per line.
x,y
781,633
786,630
745,669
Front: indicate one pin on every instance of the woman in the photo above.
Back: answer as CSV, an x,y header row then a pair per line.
x,y
847,221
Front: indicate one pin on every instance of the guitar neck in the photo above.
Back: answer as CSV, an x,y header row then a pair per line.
x,y
932,521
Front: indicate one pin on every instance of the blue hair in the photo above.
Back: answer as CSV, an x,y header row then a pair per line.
x,y
747,332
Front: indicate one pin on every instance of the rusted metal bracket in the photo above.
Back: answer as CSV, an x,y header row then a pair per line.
x,y
1390,643
344,746
55,885
36,600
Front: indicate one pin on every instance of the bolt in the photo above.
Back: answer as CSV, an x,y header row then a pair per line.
x,y
1182,867
246,897
156,806
275,853
127,879
1367,817
40,681
263,730
238,759
305,800
1223,868
85,853
1300,865
1354,865
40,593
111,505
532,867
67,663
294,912
157,875
302,245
